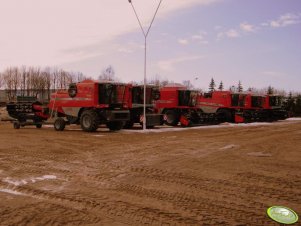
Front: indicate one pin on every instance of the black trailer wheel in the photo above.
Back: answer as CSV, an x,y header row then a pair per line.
x,y
89,121
59,124
114,126
171,118
17,125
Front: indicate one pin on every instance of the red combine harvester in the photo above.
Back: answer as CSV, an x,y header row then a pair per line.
x,y
178,104
136,103
223,106
88,103
227,106
272,108
253,110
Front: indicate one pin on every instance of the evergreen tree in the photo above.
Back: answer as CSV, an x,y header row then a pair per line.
x,y
239,87
221,86
290,104
298,106
212,85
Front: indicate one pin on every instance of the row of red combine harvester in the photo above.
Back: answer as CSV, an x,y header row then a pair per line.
x,y
190,107
117,105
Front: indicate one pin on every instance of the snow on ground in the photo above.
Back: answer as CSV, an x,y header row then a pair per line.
x,y
30,180
170,129
293,119
230,146
11,192
223,125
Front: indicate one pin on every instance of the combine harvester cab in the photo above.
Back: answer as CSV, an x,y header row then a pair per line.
x,y
90,103
178,104
27,111
136,103
222,106
273,108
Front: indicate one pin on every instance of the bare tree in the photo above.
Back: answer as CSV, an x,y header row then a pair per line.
x,y
108,74
188,84
1,80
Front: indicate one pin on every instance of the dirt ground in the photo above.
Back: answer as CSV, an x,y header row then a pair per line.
x,y
225,175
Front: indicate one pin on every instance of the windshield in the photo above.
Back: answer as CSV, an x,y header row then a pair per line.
x,y
257,101
187,98
238,100
111,94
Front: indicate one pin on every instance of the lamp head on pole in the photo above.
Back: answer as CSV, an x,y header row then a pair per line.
x,y
130,1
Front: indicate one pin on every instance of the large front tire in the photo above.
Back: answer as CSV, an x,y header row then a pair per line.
x,y
89,121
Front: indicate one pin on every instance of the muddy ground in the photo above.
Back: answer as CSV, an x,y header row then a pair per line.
x,y
224,175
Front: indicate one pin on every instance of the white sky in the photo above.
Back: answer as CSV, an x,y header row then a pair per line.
x,y
44,32
254,41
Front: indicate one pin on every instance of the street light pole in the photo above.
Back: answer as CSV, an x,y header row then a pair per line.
x,y
145,34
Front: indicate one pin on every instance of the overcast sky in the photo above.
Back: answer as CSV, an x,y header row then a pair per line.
x,y
255,41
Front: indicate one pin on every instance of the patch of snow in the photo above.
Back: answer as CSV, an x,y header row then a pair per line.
x,y
14,182
26,181
48,126
293,119
47,177
11,192
230,146
171,129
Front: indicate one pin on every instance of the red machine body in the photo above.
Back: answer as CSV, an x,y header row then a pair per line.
x,y
178,104
223,105
90,103
272,108
136,105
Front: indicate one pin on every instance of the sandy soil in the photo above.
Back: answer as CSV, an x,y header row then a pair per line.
x,y
211,176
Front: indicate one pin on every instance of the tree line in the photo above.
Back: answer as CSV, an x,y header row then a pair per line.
x,y
32,81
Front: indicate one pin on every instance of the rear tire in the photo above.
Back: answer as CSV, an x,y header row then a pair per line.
x,y
89,121
59,124
114,126
172,118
